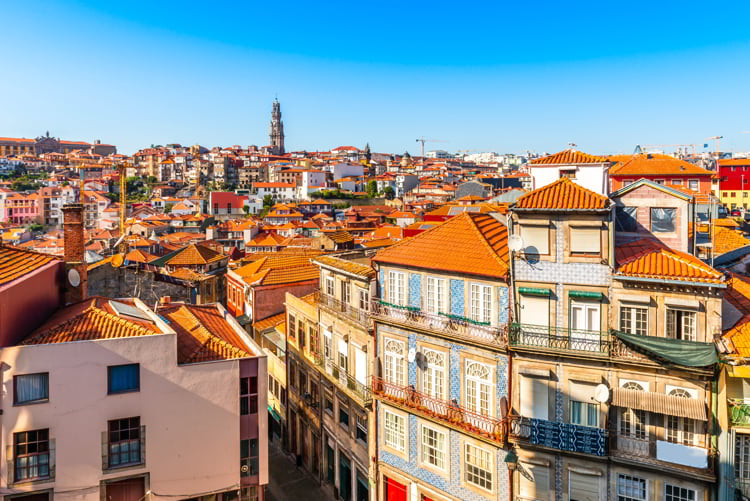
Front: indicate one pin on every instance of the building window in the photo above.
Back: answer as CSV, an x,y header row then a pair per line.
x,y
249,457
302,381
346,293
364,299
343,355
433,447
362,428
536,239
568,173
313,333
124,442
659,181
734,194
396,288
30,388
394,361
31,455
248,395
478,467
123,378
584,316
742,457
249,493
675,493
625,219
630,488
681,430
478,387
394,431
301,333
327,342
676,182
481,303
584,413
663,220
328,403
436,296
634,320
693,185
292,324
343,415
681,324
434,374
585,240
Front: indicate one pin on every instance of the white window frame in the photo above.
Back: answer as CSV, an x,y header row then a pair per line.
x,y
433,377
363,296
587,252
586,306
474,388
633,316
681,430
628,496
697,182
441,449
393,361
397,288
528,243
330,286
394,430
480,301
742,456
327,344
684,311
486,456
436,295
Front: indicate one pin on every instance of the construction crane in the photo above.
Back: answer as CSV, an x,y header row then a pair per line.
x,y
425,140
647,147
718,140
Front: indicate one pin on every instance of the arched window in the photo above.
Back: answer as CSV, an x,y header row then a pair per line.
x,y
478,386
681,430
434,374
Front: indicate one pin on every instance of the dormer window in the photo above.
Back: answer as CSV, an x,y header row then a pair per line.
x,y
663,220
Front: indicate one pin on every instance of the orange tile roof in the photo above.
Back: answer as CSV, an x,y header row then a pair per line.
x,y
15,262
203,335
352,267
475,244
647,258
726,240
279,269
738,295
196,254
563,194
88,320
269,322
340,236
726,222
642,165
734,161
138,256
569,157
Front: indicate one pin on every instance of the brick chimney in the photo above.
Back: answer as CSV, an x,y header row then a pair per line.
x,y
74,254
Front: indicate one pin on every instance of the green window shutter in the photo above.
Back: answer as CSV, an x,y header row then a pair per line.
x,y
586,294
533,291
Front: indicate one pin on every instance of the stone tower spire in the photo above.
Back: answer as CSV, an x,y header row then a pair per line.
x,y
276,129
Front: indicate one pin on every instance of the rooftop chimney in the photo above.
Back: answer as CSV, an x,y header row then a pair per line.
x,y
76,276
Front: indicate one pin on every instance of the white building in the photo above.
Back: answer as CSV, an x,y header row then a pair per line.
x,y
589,171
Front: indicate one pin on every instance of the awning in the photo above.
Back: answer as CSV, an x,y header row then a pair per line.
x,y
586,294
659,403
686,353
274,414
533,291
738,371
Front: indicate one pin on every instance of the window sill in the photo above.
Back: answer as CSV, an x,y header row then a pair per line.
x,y
137,390
34,481
31,402
125,467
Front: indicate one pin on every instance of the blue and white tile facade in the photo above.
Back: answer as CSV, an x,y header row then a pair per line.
x,y
457,297
415,289
411,467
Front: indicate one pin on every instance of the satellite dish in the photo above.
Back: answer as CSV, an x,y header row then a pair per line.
x,y
244,468
74,278
515,242
601,393
411,355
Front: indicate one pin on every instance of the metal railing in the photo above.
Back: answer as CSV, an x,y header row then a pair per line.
x,y
559,436
644,449
558,338
359,315
443,323
343,378
445,410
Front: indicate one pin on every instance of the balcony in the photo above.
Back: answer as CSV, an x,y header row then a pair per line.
x,y
338,307
550,338
443,324
666,456
344,380
739,411
446,411
559,436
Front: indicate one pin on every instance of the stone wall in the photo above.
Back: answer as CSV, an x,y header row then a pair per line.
x,y
113,282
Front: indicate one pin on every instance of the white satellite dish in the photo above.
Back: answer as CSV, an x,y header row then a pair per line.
x,y
601,393
74,277
515,242
412,355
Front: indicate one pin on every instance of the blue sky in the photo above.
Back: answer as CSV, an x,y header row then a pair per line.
x,y
493,76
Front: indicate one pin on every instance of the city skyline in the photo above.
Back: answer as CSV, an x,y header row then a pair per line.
x,y
135,76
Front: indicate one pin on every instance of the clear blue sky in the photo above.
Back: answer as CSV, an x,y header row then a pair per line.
x,y
482,75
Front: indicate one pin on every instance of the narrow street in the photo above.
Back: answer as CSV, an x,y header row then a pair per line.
x,y
289,483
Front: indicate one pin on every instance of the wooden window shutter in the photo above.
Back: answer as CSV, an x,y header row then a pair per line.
x,y
11,464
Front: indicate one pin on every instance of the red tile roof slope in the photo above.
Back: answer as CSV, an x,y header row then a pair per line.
x,y
15,262
647,258
562,194
471,243
569,157
642,165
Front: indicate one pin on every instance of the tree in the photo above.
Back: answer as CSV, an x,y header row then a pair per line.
x,y
267,204
372,188
389,193
168,208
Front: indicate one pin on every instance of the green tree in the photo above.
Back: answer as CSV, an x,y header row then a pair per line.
x,y
372,188
389,193
168,208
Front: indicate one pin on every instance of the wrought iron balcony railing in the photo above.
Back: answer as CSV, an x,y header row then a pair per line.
x,y
345,380
558,338
559,436
448,411
358,315
442,323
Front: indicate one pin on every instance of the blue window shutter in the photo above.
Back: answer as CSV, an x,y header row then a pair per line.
x,y
414,290
457,297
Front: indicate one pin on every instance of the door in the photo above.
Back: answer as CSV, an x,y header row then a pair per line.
x,y
293,431
131,489
304,444
394,491
362,490
584,326
583,487
534,398
345,478
535,320
331,464
360,359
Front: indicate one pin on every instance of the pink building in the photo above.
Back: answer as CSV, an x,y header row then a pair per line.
x,y
21,209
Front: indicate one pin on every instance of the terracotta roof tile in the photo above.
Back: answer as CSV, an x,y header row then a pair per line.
x,y
475,244
647,258
15,262
279,269
569,157
726,240
196,254
560,195
339,236
269,322
738,295
642,165
352,267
